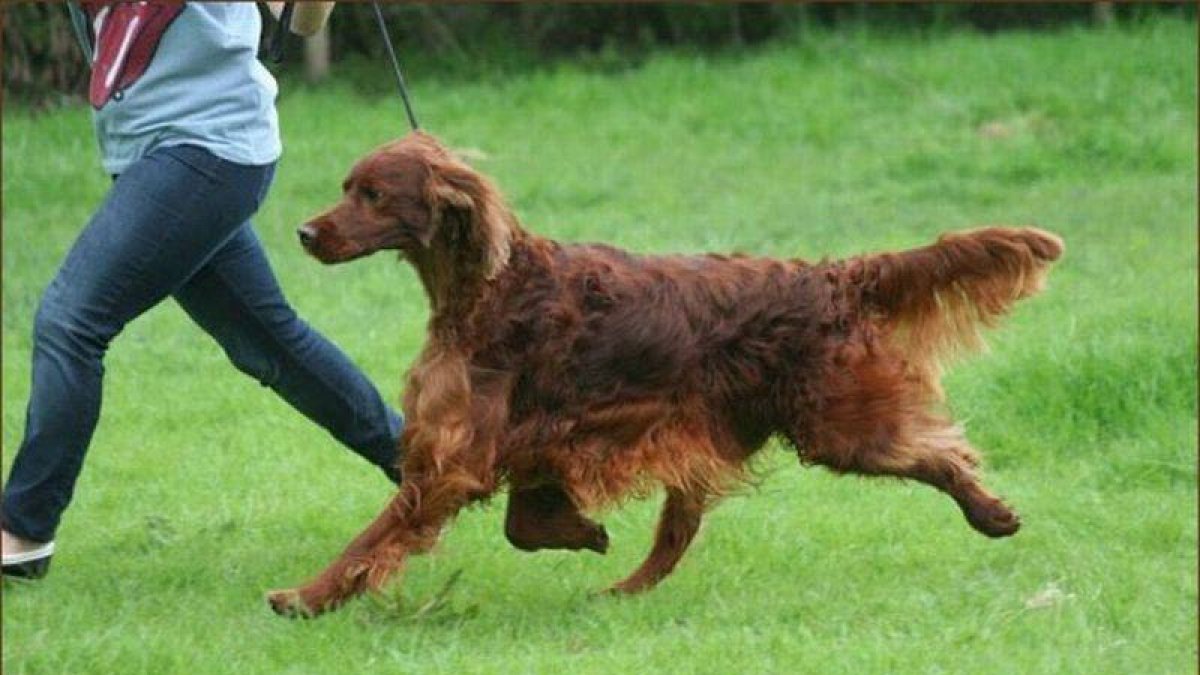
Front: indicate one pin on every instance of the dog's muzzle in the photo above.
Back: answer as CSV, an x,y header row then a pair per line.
x,y
307,234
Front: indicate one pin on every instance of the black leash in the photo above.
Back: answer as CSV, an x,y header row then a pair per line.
x,y
387,42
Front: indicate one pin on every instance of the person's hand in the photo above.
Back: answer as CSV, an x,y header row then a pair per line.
x,y
307,17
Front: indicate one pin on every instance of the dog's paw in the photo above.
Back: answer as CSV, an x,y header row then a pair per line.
x,y
614,591
625,588
288,603
993,519
598,540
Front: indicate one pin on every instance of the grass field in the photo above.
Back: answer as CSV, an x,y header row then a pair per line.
x,y
202,491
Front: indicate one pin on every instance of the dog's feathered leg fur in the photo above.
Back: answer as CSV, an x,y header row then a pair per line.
x,y
451,452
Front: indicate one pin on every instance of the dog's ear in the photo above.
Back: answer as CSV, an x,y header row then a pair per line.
x,y
451,191
468,211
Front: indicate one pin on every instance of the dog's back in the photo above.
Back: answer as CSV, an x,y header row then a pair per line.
x,y
590,325
620,325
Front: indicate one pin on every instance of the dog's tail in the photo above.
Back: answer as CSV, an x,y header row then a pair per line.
x,y
937,298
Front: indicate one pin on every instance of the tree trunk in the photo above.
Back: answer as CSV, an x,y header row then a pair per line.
x,y
316,55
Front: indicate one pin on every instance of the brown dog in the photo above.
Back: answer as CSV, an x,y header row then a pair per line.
x,y
577,374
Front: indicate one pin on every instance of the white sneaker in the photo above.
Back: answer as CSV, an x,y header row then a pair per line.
x,y
31,563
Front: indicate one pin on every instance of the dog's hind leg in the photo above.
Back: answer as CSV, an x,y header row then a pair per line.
x,y
545,517
677,526
940,456
924,448
880,417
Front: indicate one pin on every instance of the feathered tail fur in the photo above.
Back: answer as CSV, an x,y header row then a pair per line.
x,y
935,299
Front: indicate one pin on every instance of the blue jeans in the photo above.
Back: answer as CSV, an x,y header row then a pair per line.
x,y
176,223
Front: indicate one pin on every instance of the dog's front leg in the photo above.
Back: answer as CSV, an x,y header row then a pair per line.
x,y
455,413
351,572
411,523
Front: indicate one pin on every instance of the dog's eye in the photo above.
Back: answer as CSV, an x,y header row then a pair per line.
x,y
369,194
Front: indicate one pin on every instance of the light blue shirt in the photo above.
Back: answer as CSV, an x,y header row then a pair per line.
x,y
204,86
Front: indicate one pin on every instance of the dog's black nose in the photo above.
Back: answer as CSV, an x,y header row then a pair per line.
x,y
307,234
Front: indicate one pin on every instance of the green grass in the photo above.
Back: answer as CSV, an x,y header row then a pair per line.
x,y
202,490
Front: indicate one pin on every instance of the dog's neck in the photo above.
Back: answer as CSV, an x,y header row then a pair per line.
x,y
456,272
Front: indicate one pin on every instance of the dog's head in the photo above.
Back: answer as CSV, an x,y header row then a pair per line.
x,y
414,196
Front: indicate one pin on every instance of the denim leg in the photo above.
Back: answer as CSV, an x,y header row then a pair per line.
x,y
237,300
162,219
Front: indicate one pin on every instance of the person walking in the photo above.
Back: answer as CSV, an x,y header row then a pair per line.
x,y
186,122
